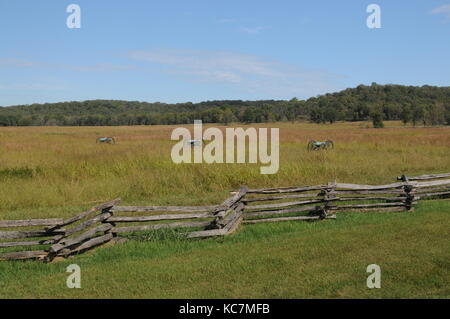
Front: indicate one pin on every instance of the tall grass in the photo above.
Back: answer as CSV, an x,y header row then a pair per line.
x,y
63,167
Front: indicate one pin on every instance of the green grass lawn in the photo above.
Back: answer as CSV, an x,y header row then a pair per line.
x,y
325,259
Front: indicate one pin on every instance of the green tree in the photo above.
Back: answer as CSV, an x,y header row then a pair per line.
x,y
228,117
377,119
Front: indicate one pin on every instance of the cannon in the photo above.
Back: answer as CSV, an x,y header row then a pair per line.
x,y
316,145
109,140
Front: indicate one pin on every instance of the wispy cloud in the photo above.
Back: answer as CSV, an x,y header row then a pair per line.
x,y
22,63
249,72
254,30
100,67
226,20
251,30
444,10
32,86
246,72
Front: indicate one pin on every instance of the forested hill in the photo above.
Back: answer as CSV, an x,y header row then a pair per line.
x,y
427,105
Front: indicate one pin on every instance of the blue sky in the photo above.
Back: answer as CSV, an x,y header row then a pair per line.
x,y
177,51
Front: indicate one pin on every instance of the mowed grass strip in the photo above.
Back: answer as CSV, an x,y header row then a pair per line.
x,y
325,259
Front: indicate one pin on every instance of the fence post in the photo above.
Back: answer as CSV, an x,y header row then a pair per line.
x,y
409,190
329,195
109,210
225,213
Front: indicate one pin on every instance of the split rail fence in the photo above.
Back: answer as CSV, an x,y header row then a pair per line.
x,y
61,238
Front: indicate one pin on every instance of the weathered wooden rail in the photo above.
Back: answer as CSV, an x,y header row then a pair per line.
x,y
430,186
324,201
61,238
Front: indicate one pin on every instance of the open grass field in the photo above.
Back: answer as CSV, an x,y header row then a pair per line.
x,y
44,171
58,171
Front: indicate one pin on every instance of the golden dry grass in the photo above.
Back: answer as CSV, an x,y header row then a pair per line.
x,y
63,167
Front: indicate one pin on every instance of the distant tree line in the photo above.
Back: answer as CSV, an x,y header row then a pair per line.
x,y
426,105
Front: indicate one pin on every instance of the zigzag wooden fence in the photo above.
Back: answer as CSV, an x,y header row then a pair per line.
x,y
105,223
430,186
60,237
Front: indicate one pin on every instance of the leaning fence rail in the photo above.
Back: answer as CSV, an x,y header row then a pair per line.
x,y
430,186
324,201
424,177
47,239
56,237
